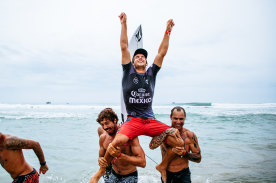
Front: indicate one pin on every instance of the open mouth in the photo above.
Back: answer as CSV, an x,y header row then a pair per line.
x,y
108,130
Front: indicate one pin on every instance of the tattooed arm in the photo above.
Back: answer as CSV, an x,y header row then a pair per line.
x,y
194,148
191,150
158,140
15,143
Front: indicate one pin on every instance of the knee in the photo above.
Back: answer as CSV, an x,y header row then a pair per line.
x,y
116,142
119,141
175,140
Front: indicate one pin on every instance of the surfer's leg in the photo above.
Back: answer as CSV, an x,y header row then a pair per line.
x,y
119,140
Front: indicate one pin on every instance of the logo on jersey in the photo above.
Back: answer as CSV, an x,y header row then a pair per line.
x,y
147,81
140,97
141,90
135,80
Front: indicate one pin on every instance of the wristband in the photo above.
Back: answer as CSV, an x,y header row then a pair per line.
x,y
117,157
43,163
182,155
168,32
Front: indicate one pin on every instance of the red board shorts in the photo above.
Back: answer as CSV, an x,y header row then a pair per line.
x,y
134,127
32,177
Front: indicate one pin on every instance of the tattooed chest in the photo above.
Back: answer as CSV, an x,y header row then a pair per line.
x,y
183,136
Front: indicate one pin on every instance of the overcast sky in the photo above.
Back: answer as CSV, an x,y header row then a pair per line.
x,y
67,51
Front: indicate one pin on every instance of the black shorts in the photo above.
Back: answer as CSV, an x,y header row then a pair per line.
x,y
32,177
183,176
117,178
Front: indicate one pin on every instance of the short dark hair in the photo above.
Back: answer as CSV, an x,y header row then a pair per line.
x,y
108,114
178,108
141,51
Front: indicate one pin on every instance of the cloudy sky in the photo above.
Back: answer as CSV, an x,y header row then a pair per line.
x,y
67,51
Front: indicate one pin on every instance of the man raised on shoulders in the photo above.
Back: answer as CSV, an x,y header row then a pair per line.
x,y
178,169
126,158
138,85
13,161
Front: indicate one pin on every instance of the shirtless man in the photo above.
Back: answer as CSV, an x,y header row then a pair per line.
x,y
126,157
13,161
178,169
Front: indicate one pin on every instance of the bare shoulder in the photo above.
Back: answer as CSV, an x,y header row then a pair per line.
x,y
103,137
188,133
13,142
3,138
134,142
100,130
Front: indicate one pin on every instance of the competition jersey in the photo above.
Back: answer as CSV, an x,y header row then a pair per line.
x,y
138,90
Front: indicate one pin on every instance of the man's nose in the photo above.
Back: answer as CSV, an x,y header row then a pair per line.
x,y
178,120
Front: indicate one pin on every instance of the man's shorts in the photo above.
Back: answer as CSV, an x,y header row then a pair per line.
x,y
32,177
183,176
135,127
116,178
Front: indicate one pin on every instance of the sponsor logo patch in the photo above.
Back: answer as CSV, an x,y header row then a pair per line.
x,y
135,80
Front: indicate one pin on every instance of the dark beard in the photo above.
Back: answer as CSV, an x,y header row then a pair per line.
x,y
114,130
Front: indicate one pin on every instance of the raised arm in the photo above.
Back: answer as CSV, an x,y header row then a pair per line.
x,y
138,155
124,40
15,143
163,48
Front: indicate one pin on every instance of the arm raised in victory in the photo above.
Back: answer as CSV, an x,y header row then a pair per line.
x,y
124,40
163,48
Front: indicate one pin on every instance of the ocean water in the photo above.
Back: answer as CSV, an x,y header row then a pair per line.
x,y
238,141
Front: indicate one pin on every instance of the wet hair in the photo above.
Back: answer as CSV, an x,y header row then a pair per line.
x,y
108,114
178,108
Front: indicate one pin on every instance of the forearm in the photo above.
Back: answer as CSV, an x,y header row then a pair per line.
x,y
158,140
134,160
39,152
195,157
163,48
124,39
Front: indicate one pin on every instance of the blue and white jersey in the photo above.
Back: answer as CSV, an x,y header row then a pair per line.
x,y
138,90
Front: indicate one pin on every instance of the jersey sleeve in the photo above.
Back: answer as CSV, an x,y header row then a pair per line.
x,y
155,69
126,67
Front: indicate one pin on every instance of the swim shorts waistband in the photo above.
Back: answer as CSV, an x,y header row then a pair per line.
x,y
121,176
32,177
184,171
